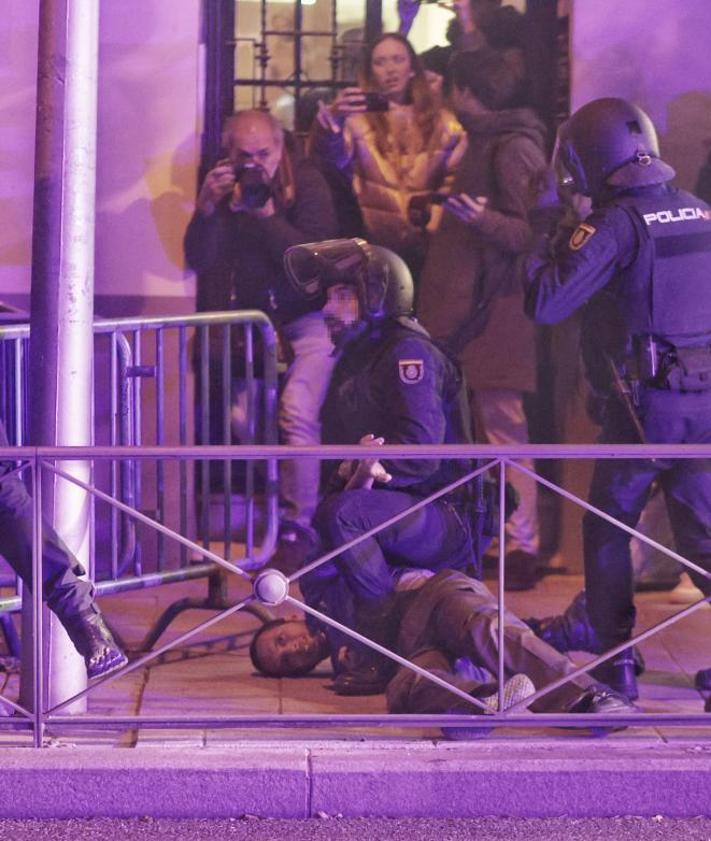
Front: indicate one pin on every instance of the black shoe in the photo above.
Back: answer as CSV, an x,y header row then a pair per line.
x,y
702,680
521,571
609,702
570,630
93,640
603,701
619,673
296,546
367,679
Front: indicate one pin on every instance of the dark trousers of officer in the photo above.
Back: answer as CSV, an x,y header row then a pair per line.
x,y
435,537
65,593
621,488
465,623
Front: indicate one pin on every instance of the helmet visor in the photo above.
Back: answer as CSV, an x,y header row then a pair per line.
x,y
315,266
561,166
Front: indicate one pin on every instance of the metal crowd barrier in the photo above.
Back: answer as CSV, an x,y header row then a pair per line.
x,y
277,590
150,374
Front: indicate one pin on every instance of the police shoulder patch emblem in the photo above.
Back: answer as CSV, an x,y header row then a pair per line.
x,y
411,370
581,235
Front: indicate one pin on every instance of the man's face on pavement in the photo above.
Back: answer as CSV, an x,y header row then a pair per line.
x,y
341,311
290,648
253,140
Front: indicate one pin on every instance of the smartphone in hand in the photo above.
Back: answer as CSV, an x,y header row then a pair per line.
x,y
375,101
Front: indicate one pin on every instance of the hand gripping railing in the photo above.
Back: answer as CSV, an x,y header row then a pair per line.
x,y
270,587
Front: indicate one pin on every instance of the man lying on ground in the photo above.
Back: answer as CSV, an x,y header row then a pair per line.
x,y
446,623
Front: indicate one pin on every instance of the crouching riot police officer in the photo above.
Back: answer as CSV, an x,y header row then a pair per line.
x,y
391,384
640,264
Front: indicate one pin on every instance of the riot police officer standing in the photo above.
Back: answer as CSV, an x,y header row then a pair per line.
x,y
640,266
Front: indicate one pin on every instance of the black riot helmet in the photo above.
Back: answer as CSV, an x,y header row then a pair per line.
x,y
382,280
609,143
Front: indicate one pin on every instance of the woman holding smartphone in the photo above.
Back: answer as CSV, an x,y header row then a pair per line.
x,y
394,140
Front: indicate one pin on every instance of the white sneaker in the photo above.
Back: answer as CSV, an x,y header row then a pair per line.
x,y
516,689
685,591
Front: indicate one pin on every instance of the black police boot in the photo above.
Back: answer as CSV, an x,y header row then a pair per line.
x,y
296,546
521,571
368,675
702,681
573,631
367,679
619,674
93,640
368,672
570,630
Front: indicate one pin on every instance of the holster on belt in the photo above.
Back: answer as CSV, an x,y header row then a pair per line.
x,y
689,370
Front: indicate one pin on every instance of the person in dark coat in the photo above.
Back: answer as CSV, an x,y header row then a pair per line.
x,y
255,203
471,295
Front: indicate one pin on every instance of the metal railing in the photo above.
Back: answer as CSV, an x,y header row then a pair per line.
x,y
499,458
148,373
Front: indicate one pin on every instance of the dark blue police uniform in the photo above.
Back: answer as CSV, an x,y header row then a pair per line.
x,y
641,265
392,381
66,594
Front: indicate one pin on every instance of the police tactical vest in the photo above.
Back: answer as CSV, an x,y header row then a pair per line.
x,y
667,289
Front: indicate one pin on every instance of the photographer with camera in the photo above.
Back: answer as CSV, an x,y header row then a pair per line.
x,y
253,204
393,140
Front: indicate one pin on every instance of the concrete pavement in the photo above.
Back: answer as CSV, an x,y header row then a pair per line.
x,y
205,772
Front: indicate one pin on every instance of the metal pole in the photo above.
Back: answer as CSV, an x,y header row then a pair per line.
x,y
61,307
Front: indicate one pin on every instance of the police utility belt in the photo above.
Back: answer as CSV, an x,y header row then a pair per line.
x,y
659,364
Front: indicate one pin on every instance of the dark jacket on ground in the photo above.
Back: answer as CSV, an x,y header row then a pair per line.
x,y
471,294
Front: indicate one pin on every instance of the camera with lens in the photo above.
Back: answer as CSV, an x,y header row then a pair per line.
x,y
254,185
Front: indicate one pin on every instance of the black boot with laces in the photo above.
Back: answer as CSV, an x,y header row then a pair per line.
x,y
95,642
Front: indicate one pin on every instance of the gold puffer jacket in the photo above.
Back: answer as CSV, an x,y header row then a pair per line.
x,y
385,182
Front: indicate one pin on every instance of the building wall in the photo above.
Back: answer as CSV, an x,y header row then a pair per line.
x,y
148,144
654,52
18,70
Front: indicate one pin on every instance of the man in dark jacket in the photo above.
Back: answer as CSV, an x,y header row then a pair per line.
x,y
392,384
639,265
254,204
471,296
